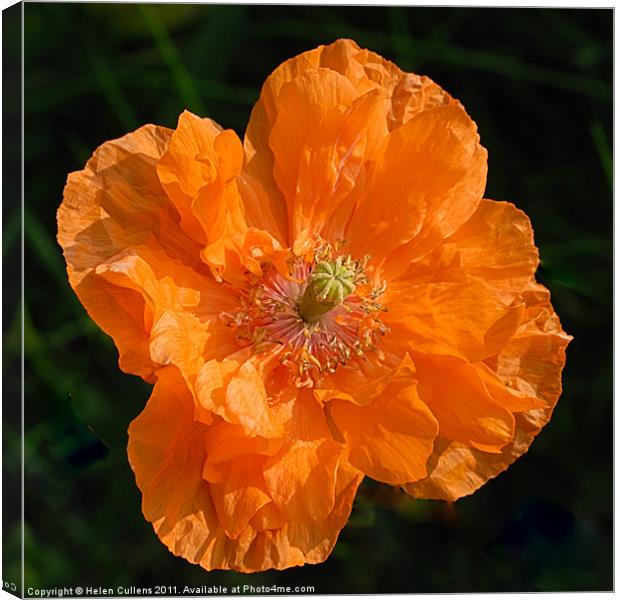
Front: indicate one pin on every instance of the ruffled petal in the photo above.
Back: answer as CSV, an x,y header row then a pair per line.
x,y
428,181
460,402
117,202
332,161
258,208
226,442
511,399
391,438
460,319
201,173
301,477
120,313
363,380
134,268
529,365
234,389
189,164
166,453
351,71
309,544
201,521
240,494
301,106
321,139
496,246
174,311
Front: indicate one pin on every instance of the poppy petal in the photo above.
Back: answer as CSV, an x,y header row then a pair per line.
x,y
239,494
301,477
113,206
235,391
189,164
459,319
297,543
364,380
175,310
226,441
495,246
167,452
530,364
391,438
460,402
427,182
332,160
303,103
405,96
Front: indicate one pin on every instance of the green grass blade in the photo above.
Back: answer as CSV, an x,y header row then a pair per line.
x,y
604,151
185,85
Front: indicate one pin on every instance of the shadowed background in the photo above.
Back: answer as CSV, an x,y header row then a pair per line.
x,y
537,83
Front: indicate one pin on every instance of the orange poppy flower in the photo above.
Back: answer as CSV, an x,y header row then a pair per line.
x,y
328,300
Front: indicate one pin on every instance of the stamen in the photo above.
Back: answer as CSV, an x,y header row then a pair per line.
x,y
316,320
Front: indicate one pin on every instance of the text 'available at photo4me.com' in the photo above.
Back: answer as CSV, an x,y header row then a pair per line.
x,y
163,590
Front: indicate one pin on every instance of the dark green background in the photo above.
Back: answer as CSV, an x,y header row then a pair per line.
x,y
538,84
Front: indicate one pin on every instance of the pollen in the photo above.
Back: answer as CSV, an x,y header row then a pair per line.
x,y
319,317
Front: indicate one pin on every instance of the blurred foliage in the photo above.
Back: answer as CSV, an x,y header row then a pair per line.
x,y
538,84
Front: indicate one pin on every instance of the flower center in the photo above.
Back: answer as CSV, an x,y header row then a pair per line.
x,y
322,316
328,285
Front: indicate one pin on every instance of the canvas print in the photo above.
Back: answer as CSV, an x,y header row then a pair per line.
x,y
317,300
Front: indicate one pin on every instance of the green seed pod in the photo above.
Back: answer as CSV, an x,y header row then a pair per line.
x,y
328,285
